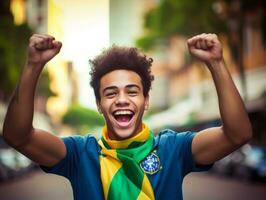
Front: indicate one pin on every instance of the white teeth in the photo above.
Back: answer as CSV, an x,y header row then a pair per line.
x,y
123,112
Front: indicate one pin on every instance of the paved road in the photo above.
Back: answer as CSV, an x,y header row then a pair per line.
x,y
39,186
200,186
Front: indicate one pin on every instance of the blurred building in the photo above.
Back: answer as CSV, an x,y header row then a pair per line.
x,y
126,20
37,15
189,93
34,12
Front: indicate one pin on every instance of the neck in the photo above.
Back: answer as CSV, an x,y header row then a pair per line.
x,y
115,136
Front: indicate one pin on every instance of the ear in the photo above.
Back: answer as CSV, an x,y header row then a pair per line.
x,y
147,99
99,107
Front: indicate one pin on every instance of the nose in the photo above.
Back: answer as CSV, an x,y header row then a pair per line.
x,y
122,100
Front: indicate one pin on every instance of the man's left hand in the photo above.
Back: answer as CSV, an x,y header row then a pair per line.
x,y
206,47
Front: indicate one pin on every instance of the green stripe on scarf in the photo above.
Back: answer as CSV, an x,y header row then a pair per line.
x,y
126,181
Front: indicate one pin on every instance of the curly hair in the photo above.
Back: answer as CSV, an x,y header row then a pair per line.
x,y
116,58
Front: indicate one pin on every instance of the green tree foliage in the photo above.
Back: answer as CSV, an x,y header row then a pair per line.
x,y
13,43
82,119
183,17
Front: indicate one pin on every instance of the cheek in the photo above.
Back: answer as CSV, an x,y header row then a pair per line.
x,y
140,102
106,106
107,116
140,106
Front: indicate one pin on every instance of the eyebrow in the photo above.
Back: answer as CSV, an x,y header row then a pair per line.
x,y
109,88
132,86
115,87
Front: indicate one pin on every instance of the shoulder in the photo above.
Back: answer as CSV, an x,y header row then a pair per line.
x,y
80,143
170,140
171,136
79,139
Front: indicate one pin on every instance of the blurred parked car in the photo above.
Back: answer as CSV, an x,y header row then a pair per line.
x,y
253,166
247,163
12,163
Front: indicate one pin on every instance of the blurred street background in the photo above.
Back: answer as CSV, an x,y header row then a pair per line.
x,y
183,95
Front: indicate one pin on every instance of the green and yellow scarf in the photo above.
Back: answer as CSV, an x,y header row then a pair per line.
x,y
122,178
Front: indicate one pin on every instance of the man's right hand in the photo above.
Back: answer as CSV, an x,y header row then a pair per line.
x,y
42,48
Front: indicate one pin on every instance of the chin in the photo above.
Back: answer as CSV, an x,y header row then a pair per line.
x,y
123,134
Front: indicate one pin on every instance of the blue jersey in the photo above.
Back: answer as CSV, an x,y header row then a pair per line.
x,y
166,166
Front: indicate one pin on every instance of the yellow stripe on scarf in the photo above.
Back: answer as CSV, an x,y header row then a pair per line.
x,y
147,192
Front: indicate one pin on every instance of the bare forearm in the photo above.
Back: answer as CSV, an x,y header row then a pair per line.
x,y
234,117
18,121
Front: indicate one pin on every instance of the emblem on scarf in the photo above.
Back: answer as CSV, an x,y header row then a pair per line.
x,y
151,164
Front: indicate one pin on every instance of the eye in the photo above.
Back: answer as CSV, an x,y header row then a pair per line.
x,y
110,94
132,93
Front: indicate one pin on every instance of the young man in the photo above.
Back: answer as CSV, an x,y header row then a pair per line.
x,y
128,162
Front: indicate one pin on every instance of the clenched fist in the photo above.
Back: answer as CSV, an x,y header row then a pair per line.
x,y
42,48
206,47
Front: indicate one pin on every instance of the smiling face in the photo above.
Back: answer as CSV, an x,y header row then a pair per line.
x,y
122,103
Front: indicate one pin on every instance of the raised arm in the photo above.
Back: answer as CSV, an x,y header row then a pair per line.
x,y
212,144
40,146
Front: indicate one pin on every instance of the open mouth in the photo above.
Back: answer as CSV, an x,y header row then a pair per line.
x,y
123,117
